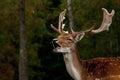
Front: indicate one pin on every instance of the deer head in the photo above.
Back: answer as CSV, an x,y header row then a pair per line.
x,y
66,40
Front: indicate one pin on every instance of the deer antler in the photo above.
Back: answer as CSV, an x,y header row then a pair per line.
x,y
60,25
107,20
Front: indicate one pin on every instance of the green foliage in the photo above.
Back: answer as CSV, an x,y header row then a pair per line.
x,y
43,63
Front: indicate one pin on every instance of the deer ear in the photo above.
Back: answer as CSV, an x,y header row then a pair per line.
x,y
79,36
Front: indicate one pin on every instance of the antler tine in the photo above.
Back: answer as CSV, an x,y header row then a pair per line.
x,y
89,30
60,25
107,20
61,19
86,31
71,30
53,27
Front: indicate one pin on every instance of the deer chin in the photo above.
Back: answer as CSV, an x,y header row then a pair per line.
x,y
59,49
62,50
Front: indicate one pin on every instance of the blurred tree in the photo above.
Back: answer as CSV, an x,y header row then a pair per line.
x,y
23,74
69,5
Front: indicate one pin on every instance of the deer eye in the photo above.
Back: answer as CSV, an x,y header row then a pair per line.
x,y
69,39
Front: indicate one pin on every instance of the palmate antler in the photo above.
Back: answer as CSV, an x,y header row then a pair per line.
x,y
107,20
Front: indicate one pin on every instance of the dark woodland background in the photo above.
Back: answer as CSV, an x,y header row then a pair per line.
x,y
43,63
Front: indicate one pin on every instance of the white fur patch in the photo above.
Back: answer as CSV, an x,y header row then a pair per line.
x,y
75,72
97,79
64,50
70,67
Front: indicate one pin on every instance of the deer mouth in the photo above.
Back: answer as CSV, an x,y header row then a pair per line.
x,y
56,46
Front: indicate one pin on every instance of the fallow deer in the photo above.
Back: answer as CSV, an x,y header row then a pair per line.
x,y
78,69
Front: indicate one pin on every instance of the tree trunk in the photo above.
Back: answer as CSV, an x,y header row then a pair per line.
x,y
23,75
69,4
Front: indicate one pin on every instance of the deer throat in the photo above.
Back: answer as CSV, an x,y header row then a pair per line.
x,y
73,71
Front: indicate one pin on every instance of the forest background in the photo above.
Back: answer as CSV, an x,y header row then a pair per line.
x,y
43,63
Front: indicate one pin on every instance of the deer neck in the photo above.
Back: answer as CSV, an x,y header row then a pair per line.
x,y
73,63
